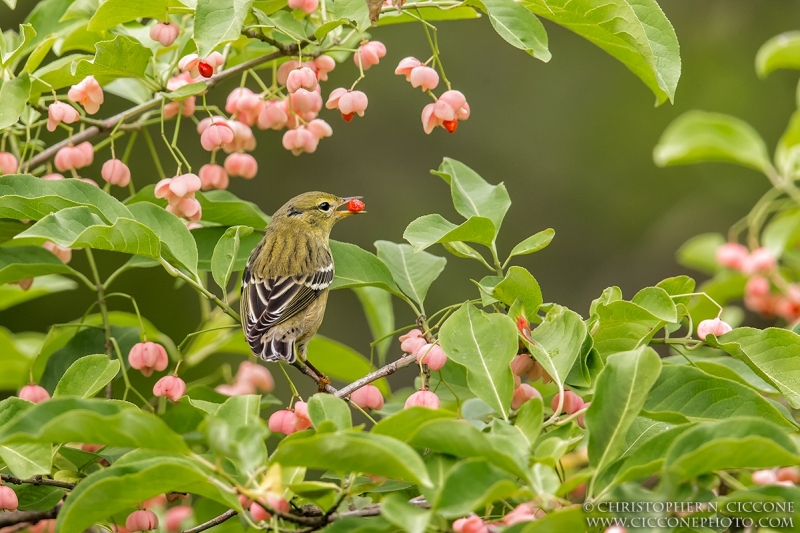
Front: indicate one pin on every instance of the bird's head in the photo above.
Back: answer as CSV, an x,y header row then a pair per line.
x,y
315,212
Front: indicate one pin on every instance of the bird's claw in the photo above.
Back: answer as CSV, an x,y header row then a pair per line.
x,y
323,382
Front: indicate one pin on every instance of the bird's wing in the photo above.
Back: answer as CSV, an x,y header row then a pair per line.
x,y
268,302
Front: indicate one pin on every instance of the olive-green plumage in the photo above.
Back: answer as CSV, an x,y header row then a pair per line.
x,y
286,280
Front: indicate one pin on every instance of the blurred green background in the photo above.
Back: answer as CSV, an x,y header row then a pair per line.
x,y
571,139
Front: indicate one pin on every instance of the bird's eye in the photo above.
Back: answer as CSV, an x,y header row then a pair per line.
x,y
324,206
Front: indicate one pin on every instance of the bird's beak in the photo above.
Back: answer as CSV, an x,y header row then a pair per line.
x,y
346,212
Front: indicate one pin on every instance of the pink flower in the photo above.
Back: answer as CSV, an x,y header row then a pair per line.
x,y
424,77
368,54
324,64
282,422
188,208
761,260
308,6
304,102
8,499
201,67
213,177
256,375
34,393
176,516
243,165
273,115
472,524
285,69
732,255
147,357
243,138
74,157
446,112
301,418
406,65
87,93
141,520
765,477
8,163
412,341
522,394
165,33
60,112
300,140
259,513
367,397
215,135
347,102
65,254
714,327
572,403
302,77
432,355
523,512
319,128
185,107
245,104
581,420
756,286
178,188
171,387
522,364
423,398
116,172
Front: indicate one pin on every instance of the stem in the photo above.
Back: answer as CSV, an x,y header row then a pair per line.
x,y
101,300
391,368
174,272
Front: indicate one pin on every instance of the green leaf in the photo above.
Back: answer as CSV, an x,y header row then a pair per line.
x,y
354,11
176,239
623,326
26,34
561,334
184,92
658,302
217,22
484,344
14,94
122,57
700,396
413,272
223,261
534,243
110,422
356,267
430,14
472,195
620,393
519,27
325,29
470,485
409,518
698,136
323,407
773,354
529,420
519,284
25,460
572,518
37,497
403,424
431,229
781,51
206,240
132,482
86,376
741,442
353,452
782,233
236,432
21,262
114,12
11,295
24,196
378,309
636,32
339,361
648,458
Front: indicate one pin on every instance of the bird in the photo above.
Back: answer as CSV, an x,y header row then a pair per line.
x,y
286,280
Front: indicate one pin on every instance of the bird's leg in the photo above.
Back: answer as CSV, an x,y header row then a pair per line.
x,y
323,380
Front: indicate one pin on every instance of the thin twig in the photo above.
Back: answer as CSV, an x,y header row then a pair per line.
x,y
217,520
31,517
38,480
382,372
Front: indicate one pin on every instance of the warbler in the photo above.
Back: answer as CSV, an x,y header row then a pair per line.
x,y
287,277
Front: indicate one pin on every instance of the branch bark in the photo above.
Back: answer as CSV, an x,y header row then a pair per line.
x,y
384,371
217,520
30,517
38,480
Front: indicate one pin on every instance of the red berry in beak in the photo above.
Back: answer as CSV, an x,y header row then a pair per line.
x,y
205,69
348,116
355,205
450,125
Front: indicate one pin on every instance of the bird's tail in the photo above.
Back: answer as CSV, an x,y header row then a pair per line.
x,y
276,350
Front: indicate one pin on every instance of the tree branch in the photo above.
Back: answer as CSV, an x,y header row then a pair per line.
x,y
110,123
382,372
38,480
18,517
217,520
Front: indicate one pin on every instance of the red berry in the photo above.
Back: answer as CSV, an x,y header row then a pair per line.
x,y
355,205
450,125
205,69
348,116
